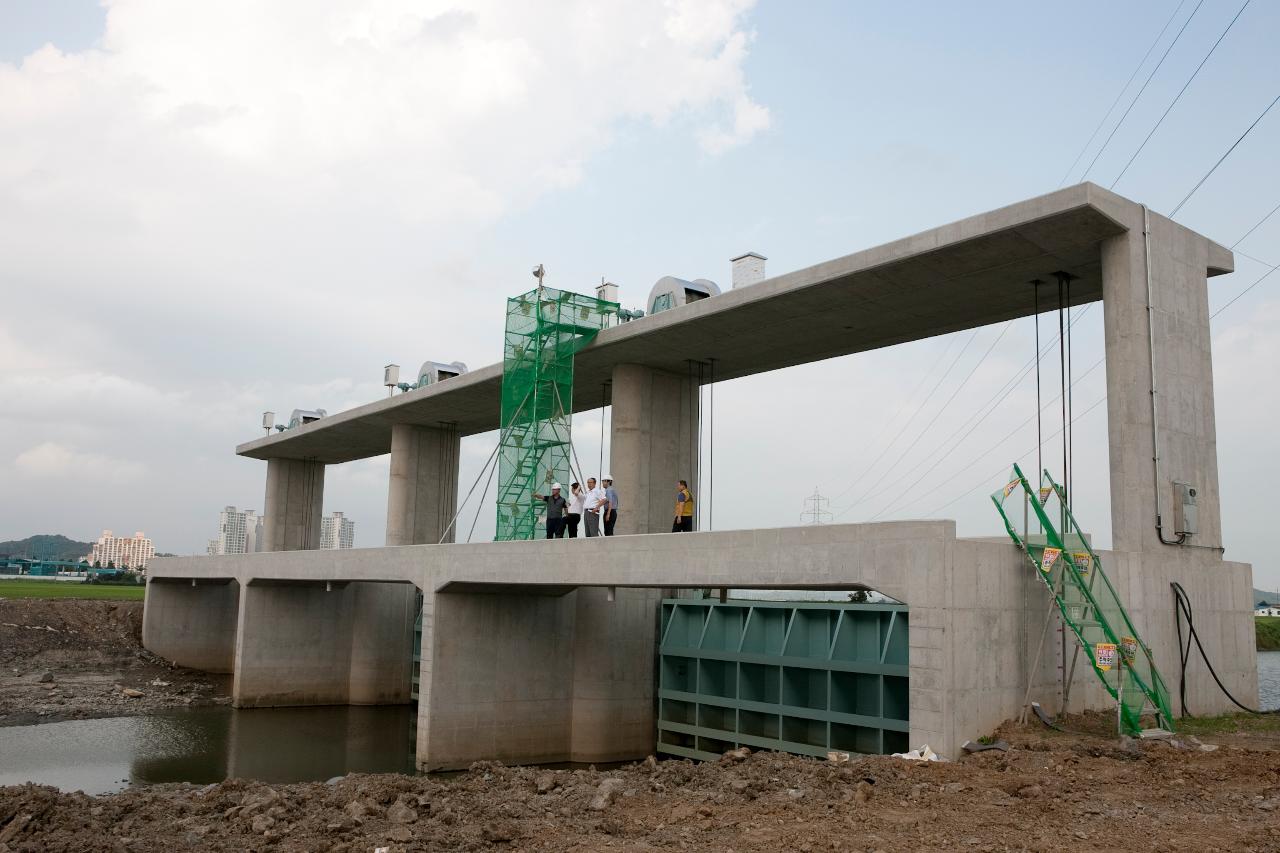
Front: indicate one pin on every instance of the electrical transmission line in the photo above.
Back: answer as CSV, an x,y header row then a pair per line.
x,y
1174,102
1200,182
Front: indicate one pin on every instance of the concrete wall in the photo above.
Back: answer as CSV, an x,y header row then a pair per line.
x,y
654,443
518,666
1180,261
422,496
293,505
193,625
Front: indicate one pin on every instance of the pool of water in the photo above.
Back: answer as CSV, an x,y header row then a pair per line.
x,y
208,745
1268,680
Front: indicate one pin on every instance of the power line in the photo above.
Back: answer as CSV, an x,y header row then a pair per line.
x,y
1255,228
1259,281
1140,91
1173,103
934,420
983,412
912,417
1078,417
1120,94
1199,183
887,424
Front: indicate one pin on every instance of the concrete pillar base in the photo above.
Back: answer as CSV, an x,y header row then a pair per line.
x,y
192,623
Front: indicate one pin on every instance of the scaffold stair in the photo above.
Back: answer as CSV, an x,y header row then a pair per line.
x,y
1072,572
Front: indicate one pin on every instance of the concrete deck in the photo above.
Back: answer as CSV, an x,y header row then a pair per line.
x,y
524,658
959,276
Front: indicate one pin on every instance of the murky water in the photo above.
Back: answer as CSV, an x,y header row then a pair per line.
x,y
204,745
273,745
1268,680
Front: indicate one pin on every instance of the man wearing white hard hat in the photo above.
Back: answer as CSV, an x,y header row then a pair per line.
x,y
610,513
556,506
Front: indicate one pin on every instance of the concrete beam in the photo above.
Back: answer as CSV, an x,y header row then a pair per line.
x,y
293,505
423,491
654,443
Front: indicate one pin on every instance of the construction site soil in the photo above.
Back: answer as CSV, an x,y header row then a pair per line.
x,y
64,659
1082,790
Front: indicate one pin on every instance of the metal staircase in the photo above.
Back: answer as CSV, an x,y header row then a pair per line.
x,y
1072,572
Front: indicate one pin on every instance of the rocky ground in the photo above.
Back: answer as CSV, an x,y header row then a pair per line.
x,y
68,658
1049,792
1080,790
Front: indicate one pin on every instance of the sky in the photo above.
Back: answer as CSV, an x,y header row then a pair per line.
x,y
211,210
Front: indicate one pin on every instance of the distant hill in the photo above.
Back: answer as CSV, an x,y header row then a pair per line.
x,y
1262,595
48,546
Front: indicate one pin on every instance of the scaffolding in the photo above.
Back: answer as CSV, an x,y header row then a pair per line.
x,y
545,329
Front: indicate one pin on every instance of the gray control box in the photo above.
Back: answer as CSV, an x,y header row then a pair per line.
x,y
1186,515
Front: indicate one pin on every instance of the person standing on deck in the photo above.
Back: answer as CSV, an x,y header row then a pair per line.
x,y
684,509
574,515
610,514
556,506
591,505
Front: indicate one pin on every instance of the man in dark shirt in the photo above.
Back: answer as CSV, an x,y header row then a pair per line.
x,y
556,506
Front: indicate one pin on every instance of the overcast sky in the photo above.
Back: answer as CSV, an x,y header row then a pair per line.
x,y
208,210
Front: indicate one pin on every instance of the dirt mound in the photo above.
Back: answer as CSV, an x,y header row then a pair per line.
x,y
67,658
66,630
1035,797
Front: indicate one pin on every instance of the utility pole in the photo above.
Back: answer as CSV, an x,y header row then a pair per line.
x,y
815,509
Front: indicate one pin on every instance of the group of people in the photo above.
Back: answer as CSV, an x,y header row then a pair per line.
x,y
596,507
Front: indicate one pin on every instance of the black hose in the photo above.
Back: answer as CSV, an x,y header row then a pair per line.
x,y
1182,605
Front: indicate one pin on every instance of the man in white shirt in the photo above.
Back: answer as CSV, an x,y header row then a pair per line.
x,y
594,501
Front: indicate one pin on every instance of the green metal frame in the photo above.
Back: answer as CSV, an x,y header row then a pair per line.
x,y
802,677
545,328
1089,604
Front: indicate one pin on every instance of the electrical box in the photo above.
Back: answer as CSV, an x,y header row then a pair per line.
x,y
1186,515
391,375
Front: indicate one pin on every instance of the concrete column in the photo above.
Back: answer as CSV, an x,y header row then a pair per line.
x,y
1180,263
654,443
293,505
192,623
382,616
293,645
423,492
613,678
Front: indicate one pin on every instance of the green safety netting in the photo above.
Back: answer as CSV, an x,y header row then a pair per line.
x,y
545,328
1071,570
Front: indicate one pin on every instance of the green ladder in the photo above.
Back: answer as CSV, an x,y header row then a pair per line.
x,y
1072,572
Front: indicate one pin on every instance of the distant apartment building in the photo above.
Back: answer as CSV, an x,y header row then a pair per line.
x,y
238,533
122,552
336,532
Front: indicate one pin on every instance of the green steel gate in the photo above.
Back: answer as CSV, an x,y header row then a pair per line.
x,y
802,677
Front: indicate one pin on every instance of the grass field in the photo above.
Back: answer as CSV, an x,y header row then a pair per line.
x,y
1268,631
64,589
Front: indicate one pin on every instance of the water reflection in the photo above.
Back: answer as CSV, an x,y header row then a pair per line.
x,y
208,745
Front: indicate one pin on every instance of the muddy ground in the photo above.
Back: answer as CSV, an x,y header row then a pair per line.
x,y
1080,790
1048,792
64,659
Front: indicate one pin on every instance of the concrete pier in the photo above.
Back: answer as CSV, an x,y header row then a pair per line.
x,y
193,623
423,493
654,442
293,505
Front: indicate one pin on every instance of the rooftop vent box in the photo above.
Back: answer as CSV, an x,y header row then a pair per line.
x,y
748,269
305,416
432,372
671,292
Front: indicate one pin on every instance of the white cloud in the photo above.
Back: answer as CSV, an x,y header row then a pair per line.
x,y
56,463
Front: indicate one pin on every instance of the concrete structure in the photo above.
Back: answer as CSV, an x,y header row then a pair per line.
x,y
131,552
238,533
337,531
526,658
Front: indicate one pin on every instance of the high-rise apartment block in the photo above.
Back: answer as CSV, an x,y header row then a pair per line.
x,y
336,532
122,552
238,533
